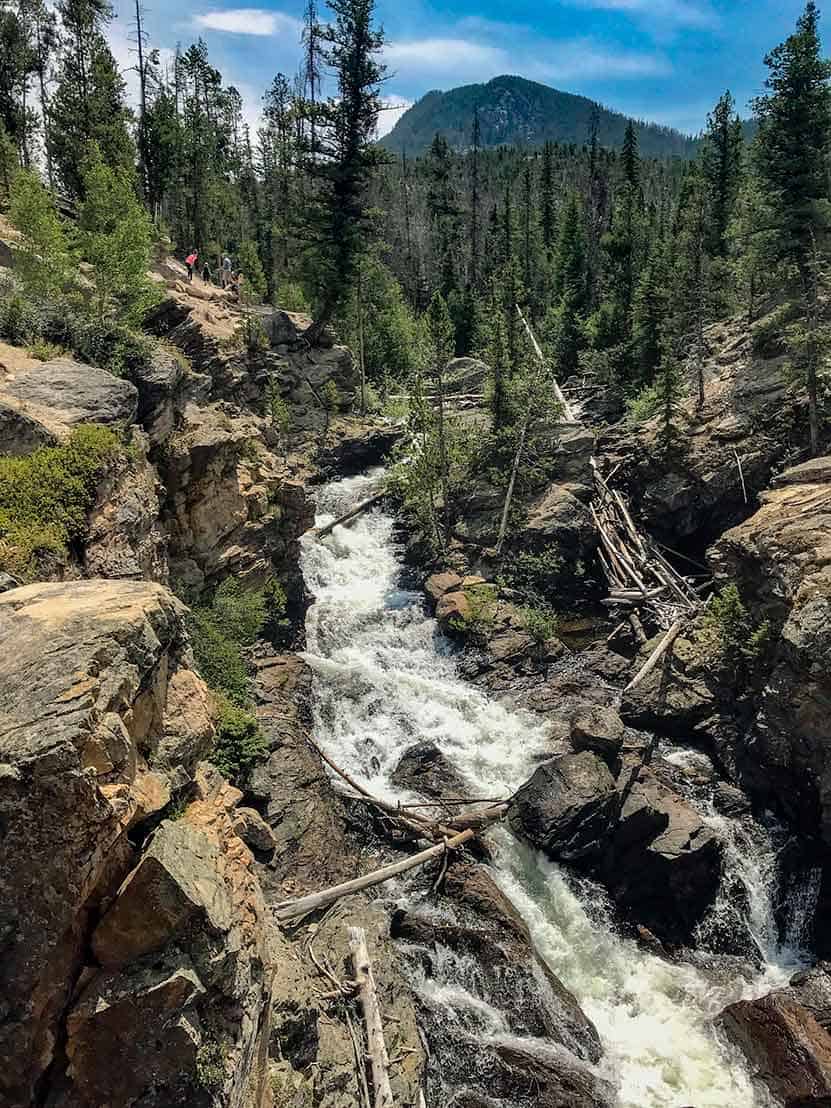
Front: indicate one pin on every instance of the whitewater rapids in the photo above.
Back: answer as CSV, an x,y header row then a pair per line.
x,y
385,678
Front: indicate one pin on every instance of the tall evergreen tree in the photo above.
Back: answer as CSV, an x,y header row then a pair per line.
x,y
339,214
88,104
791,157
721,162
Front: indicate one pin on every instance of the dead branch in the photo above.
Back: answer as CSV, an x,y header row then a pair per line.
x,y
656,655
377,1047
364,506
292,909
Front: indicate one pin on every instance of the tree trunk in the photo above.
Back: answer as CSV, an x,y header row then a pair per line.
x,y
377,1047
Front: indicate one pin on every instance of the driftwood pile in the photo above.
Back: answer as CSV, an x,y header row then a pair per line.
x,y
640,578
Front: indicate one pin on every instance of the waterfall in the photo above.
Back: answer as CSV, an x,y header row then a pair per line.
x,y
385,678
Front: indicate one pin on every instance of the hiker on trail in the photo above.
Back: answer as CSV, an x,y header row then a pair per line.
x,y
226,273
190,262
206,274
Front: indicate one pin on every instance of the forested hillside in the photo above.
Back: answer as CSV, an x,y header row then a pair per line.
x,y
515,112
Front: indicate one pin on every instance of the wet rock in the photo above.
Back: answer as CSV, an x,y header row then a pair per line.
x,y
663,865
600,730
352,448
424,769
554,1079
785,1046
730,801
812,990
568,807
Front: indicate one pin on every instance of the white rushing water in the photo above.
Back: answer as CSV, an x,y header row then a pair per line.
x,y
386,679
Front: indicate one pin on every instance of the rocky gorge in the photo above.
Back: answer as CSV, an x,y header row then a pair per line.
x,y
602,947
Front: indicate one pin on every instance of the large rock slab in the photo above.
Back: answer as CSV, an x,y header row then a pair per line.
x,y
568,807
62,393
663,864
88,662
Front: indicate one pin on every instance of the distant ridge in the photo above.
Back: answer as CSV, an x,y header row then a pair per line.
x,y
516,112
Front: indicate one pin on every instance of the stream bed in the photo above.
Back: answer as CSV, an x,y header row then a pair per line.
x,y
385,679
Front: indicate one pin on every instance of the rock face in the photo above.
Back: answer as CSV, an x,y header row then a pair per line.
x,y
50,398
749,407
82,697
785,1046
568,807
124,536
780,561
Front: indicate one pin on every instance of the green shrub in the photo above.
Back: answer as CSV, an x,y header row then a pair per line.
x,y
290,297
219,659
19,319
210,1066
536,577
643,406
739,644
46,495
541,624
239,743
483,602
249,335
277,407
45,351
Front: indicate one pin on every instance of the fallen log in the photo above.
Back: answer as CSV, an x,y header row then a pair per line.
x,y
376,1045
656,655
364,506
292,909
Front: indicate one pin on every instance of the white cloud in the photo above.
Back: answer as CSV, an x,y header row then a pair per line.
x,y
582,58
456,58
393,108
248,21
682,13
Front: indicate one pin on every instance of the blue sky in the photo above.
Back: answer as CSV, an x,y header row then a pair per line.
x,y
663,60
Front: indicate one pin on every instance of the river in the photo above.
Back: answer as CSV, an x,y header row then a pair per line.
x,y
386,678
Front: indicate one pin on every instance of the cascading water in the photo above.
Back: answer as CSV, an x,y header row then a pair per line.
x,y
386,679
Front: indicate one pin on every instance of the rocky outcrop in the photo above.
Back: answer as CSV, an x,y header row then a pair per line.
x,y
780,560
124,534
750,409
41,403
83,697
662,865
182,950
786,1048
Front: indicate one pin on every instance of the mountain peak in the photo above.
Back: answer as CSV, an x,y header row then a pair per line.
x,y
515,111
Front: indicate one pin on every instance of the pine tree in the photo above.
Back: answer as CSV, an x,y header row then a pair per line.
x,y
338,218
791,157
475,199
115,236
443,212
649,314
547,201
564,324
721,163
440,329
251,268
88,104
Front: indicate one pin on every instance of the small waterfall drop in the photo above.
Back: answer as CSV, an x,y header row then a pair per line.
x,y
385,679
